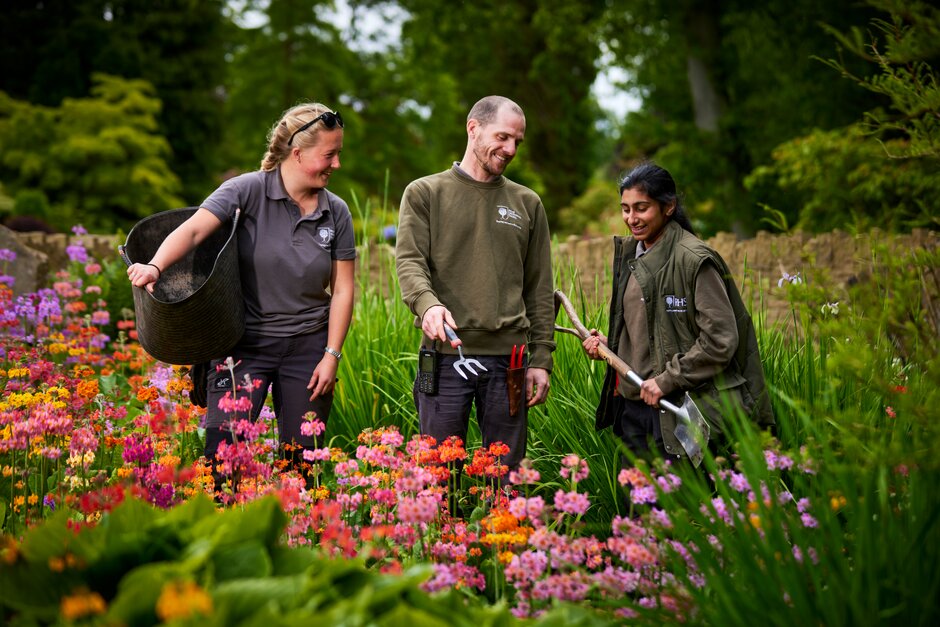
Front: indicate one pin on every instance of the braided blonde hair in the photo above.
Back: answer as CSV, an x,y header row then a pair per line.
x,y
290,121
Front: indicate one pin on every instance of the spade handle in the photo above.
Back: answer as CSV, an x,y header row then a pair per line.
x,y
622,367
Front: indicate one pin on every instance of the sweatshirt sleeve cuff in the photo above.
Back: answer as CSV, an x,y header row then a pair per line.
x,y
541,358
424,302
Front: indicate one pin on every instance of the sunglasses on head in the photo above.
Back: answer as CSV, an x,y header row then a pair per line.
x,y
330,119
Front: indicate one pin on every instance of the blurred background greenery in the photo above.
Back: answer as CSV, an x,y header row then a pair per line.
x,y
777,115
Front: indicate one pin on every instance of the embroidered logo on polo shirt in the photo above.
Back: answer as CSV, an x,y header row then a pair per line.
x,y
223,383
675,304
508,216
324,236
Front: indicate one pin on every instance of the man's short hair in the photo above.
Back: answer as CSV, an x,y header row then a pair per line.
x,y
485,109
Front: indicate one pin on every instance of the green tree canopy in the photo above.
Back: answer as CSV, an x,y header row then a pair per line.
x,y
98,161
722,84
50,51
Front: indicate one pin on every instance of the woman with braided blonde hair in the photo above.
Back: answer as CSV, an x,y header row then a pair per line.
x,y
296,251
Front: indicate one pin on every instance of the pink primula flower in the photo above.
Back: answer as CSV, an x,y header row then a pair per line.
x,y
573,503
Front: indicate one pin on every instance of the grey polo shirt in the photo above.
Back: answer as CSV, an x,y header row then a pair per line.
x,y
285,259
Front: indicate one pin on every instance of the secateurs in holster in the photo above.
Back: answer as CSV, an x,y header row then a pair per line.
x,y
515,379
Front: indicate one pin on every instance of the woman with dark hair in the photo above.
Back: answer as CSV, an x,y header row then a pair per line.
x,y
677,318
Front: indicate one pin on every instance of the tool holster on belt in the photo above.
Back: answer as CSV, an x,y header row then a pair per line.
x,y
515,380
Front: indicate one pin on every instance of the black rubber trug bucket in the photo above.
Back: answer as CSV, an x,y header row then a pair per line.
x,y
196,311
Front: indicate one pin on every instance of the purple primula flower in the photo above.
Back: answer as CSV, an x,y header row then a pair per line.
x,y
77,252
643,495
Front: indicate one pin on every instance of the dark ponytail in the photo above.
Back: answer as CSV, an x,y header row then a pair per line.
x,y
658,184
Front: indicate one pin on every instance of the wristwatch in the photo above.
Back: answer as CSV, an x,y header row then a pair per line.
x,y
333,352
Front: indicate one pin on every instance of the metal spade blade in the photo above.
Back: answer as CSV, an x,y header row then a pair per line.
x,y
692,430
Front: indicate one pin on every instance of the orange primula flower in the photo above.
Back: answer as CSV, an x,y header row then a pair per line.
x,y
81,604
87,388
148,393
182,600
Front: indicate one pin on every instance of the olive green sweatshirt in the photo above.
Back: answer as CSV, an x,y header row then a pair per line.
x,y
483,251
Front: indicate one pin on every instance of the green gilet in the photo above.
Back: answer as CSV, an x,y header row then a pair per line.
x,y
673,284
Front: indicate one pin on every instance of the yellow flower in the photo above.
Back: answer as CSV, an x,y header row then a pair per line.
x,y
82,603
755,520
124,473
57,347
181,600
33,499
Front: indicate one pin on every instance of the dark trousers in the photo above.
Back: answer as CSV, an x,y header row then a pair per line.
x,y
447,413
639,427
283,363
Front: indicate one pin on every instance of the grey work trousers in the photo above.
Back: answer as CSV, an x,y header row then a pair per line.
x,y
283,363
447,413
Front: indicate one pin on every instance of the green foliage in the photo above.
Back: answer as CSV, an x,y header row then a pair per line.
x,y
840,179
854,386
883,170
175,45
99,161
595,210
31,202
904,47
144,566
764,86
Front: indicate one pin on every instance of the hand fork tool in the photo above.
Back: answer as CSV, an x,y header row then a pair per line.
x,y
463,362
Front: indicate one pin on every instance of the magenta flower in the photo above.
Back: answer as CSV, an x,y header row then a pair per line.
x,y
135,452
532,509
524,474
643,495
231,405
452,575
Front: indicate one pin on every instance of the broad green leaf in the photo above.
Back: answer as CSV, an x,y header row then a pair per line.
x,y
239,562
239,599
139,591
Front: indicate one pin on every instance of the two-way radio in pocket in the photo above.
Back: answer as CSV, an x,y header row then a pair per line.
x,y
428,360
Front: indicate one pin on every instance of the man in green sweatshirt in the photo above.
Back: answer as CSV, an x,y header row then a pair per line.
x,y
473,251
